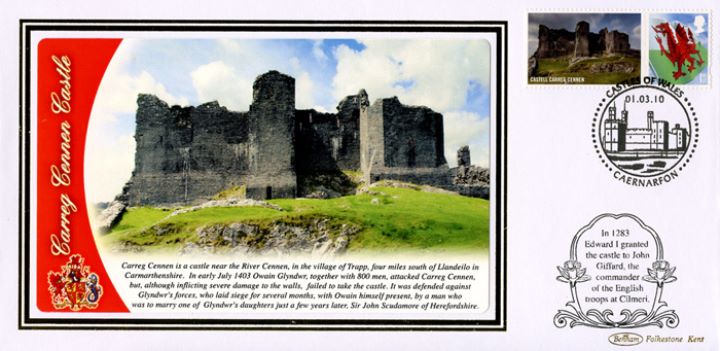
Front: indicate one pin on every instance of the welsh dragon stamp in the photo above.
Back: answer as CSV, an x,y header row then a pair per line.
x,y
680,48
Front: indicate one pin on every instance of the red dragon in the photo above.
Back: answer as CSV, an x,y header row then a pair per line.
x,y
681,44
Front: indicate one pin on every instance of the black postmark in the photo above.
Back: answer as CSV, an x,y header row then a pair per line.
x,y
645,133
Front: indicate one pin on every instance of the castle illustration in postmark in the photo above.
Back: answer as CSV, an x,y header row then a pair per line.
x,y
645,134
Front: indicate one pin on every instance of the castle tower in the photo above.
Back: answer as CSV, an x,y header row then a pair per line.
x,y
659,132
650,119
624,115
615,130
582,43
679,138
271,126
463,156
372,146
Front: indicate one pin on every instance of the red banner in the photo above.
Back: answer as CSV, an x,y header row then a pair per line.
x,y
70,276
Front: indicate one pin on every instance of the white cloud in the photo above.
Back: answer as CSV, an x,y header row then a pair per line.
x,y
533,43
466,128
109,164
699,24
318,52
119,89
320,108
110,152
229,79
304,91
374,72
295,63
123,90
219,81
438,69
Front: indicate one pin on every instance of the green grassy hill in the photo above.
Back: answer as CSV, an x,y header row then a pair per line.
x,y
561,67
391,219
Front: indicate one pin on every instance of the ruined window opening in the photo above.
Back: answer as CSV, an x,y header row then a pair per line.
x,y
268,193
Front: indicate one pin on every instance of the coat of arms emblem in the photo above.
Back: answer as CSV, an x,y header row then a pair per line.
x,y
74,287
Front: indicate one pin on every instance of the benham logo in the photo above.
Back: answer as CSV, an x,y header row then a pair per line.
x,y
625,339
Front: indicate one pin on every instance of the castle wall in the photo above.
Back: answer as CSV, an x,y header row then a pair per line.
x,y
614,42
638,139
403,143
435,176
648,139
349,120
327,142
186,155
555,43
160,131
413,136
220,140
318,138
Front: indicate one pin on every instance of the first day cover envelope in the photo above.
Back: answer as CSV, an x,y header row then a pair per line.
x,y
522,176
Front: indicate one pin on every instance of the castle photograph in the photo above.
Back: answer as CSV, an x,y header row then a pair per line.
x,y
315,146
186,155
577,48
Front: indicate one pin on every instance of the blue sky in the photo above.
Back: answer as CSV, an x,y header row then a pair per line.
x,y
698,23
449,76
160,59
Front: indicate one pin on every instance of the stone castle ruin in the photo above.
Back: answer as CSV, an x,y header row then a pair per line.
x,y
581,44
186,155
